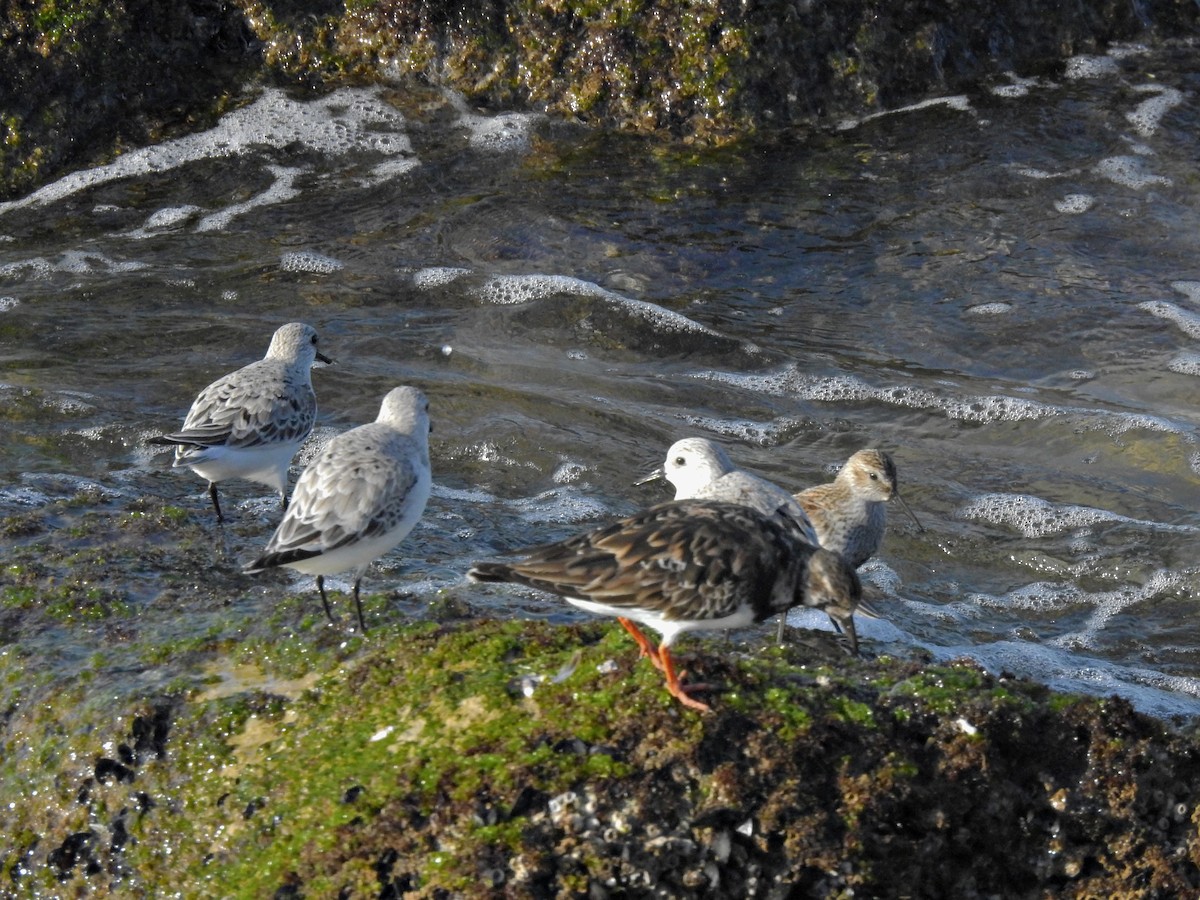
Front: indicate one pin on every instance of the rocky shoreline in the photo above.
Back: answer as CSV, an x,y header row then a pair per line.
x,y
86,80
472,758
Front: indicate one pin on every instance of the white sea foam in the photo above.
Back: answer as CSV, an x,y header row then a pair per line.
x,y
1035,517
165,219
1149,691
1084,67
958,102
1187,321
561,506
1147,117
1183,363
437,276
1190,289
506,133
9,303
355,119
308,261
1129,171
790,381
1074,204
514,289
998,308
283,188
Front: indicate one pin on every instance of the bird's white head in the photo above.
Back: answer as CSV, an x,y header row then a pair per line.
x,y
296,343
407,409
693,463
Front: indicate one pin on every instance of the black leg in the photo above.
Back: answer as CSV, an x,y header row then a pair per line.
x,y
212,493
283,499
358,605
324,599
782,626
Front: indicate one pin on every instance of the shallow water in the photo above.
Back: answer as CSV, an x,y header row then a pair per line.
x,y
1000,289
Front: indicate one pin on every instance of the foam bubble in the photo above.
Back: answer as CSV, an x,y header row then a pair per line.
x,y
9,303
1037,174
505,133
280,190
1129,171
1188,322
1035,518
1148,115
562,506
172,215
1081,67
958,102
1190,289
1043,596
1183,364
514,289
790,381
1074,204
307,261
38,267
1032,516
990,309
436,276
1151,692
354,119
80,262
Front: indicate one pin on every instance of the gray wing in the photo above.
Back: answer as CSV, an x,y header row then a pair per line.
x,y
262,403
358,487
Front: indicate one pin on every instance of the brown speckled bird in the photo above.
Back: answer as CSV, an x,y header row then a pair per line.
x,y
849,514
688,566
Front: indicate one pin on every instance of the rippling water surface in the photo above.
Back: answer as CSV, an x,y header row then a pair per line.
x,y
1001,289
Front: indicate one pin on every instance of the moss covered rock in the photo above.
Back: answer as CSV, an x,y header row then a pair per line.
x,y
83,79
528,759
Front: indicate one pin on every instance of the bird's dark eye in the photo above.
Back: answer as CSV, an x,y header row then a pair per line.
x,y
680,461
874,476
314,340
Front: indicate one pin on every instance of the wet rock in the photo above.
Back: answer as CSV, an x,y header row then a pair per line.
x,y
84,80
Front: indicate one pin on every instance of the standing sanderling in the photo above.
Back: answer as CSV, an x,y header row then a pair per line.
x,y
850,512
701,470
250,423
358,498
687,566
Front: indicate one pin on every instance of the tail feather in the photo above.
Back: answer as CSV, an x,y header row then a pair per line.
x,y
280,558
491,573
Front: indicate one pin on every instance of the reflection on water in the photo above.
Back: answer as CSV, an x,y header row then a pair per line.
x,y
1000,289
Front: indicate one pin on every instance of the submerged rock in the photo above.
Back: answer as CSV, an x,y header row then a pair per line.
x,y
533,760
84,80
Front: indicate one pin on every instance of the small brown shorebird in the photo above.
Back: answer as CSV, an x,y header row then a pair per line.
x,y
850,512
687,566
250,423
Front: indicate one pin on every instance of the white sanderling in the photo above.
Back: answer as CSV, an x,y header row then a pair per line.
x,y
688,566
358,498
701,470
250,423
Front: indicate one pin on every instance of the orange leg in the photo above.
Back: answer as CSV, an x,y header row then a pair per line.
x,y
644,645
677,690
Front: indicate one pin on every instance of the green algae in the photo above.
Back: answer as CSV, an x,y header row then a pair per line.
x,y
707,73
